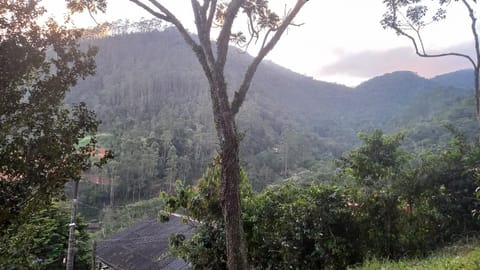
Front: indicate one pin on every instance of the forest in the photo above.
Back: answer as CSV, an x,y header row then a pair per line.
x,y
330,176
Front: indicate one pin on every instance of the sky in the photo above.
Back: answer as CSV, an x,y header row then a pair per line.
x,y
339,41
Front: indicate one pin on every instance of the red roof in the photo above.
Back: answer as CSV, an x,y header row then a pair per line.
x,y
101,152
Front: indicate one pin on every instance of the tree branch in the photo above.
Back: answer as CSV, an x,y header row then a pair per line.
x,y
394,25
169,17
473,27
239,96
151,11
203,30
471,13
425,54
223,39
211,14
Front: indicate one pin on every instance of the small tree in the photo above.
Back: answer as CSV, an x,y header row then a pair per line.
x,y
410,17
375,162
262,24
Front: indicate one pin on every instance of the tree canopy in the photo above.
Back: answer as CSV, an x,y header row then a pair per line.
x,y
38,134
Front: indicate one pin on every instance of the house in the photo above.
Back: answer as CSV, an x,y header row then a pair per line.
x,y
143,246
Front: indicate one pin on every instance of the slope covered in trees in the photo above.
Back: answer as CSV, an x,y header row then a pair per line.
x,y
155,112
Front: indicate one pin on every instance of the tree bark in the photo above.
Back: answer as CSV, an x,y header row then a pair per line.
x,y
230,193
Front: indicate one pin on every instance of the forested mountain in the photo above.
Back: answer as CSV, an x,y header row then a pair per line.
x,y
461,79
150,94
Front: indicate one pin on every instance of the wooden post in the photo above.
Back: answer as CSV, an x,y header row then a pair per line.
x,y
94,255
71,234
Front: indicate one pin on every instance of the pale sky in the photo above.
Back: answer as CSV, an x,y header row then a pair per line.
x,y
340,41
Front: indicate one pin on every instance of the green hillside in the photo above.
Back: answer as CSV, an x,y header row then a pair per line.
x,y
155,104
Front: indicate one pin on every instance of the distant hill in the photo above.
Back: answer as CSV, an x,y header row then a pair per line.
x,y
461,79
383,98
151,94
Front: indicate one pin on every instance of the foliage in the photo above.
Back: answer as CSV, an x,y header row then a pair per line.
x,y
37,133
206,249
301,228
158,96
41,241
90,6
456,256
286,227
424,205
435,191
376,161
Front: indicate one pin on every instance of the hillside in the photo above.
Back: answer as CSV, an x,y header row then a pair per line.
x,y
461,79
150,93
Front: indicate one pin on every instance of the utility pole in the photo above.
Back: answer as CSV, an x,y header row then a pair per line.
x,y
112,190
71,234
94,255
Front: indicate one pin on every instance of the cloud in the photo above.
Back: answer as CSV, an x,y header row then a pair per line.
x,y
367,64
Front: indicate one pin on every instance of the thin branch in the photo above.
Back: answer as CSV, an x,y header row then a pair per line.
x,y
394,25
239,96
223,39
424,54
169,17
91,16
211,14
151,11
265,38
203,31
254,33
420,40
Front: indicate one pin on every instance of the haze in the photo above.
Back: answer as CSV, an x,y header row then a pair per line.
x,y
340,41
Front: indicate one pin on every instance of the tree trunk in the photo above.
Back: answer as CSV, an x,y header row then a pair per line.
x,y
230,175
230,190
476,84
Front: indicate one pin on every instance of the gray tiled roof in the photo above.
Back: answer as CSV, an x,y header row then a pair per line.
x,y
143,246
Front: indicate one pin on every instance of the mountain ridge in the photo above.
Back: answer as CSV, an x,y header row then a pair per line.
x,y
150,86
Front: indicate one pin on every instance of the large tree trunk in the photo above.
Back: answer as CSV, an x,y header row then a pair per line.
x,y
476,84
230,175
230,192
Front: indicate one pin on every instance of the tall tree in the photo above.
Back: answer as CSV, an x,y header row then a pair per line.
x,y
38,134
409,18
262,24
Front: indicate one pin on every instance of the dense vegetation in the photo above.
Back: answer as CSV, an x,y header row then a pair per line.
x,y
312,202
40,60
41,242
155,116
386,204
